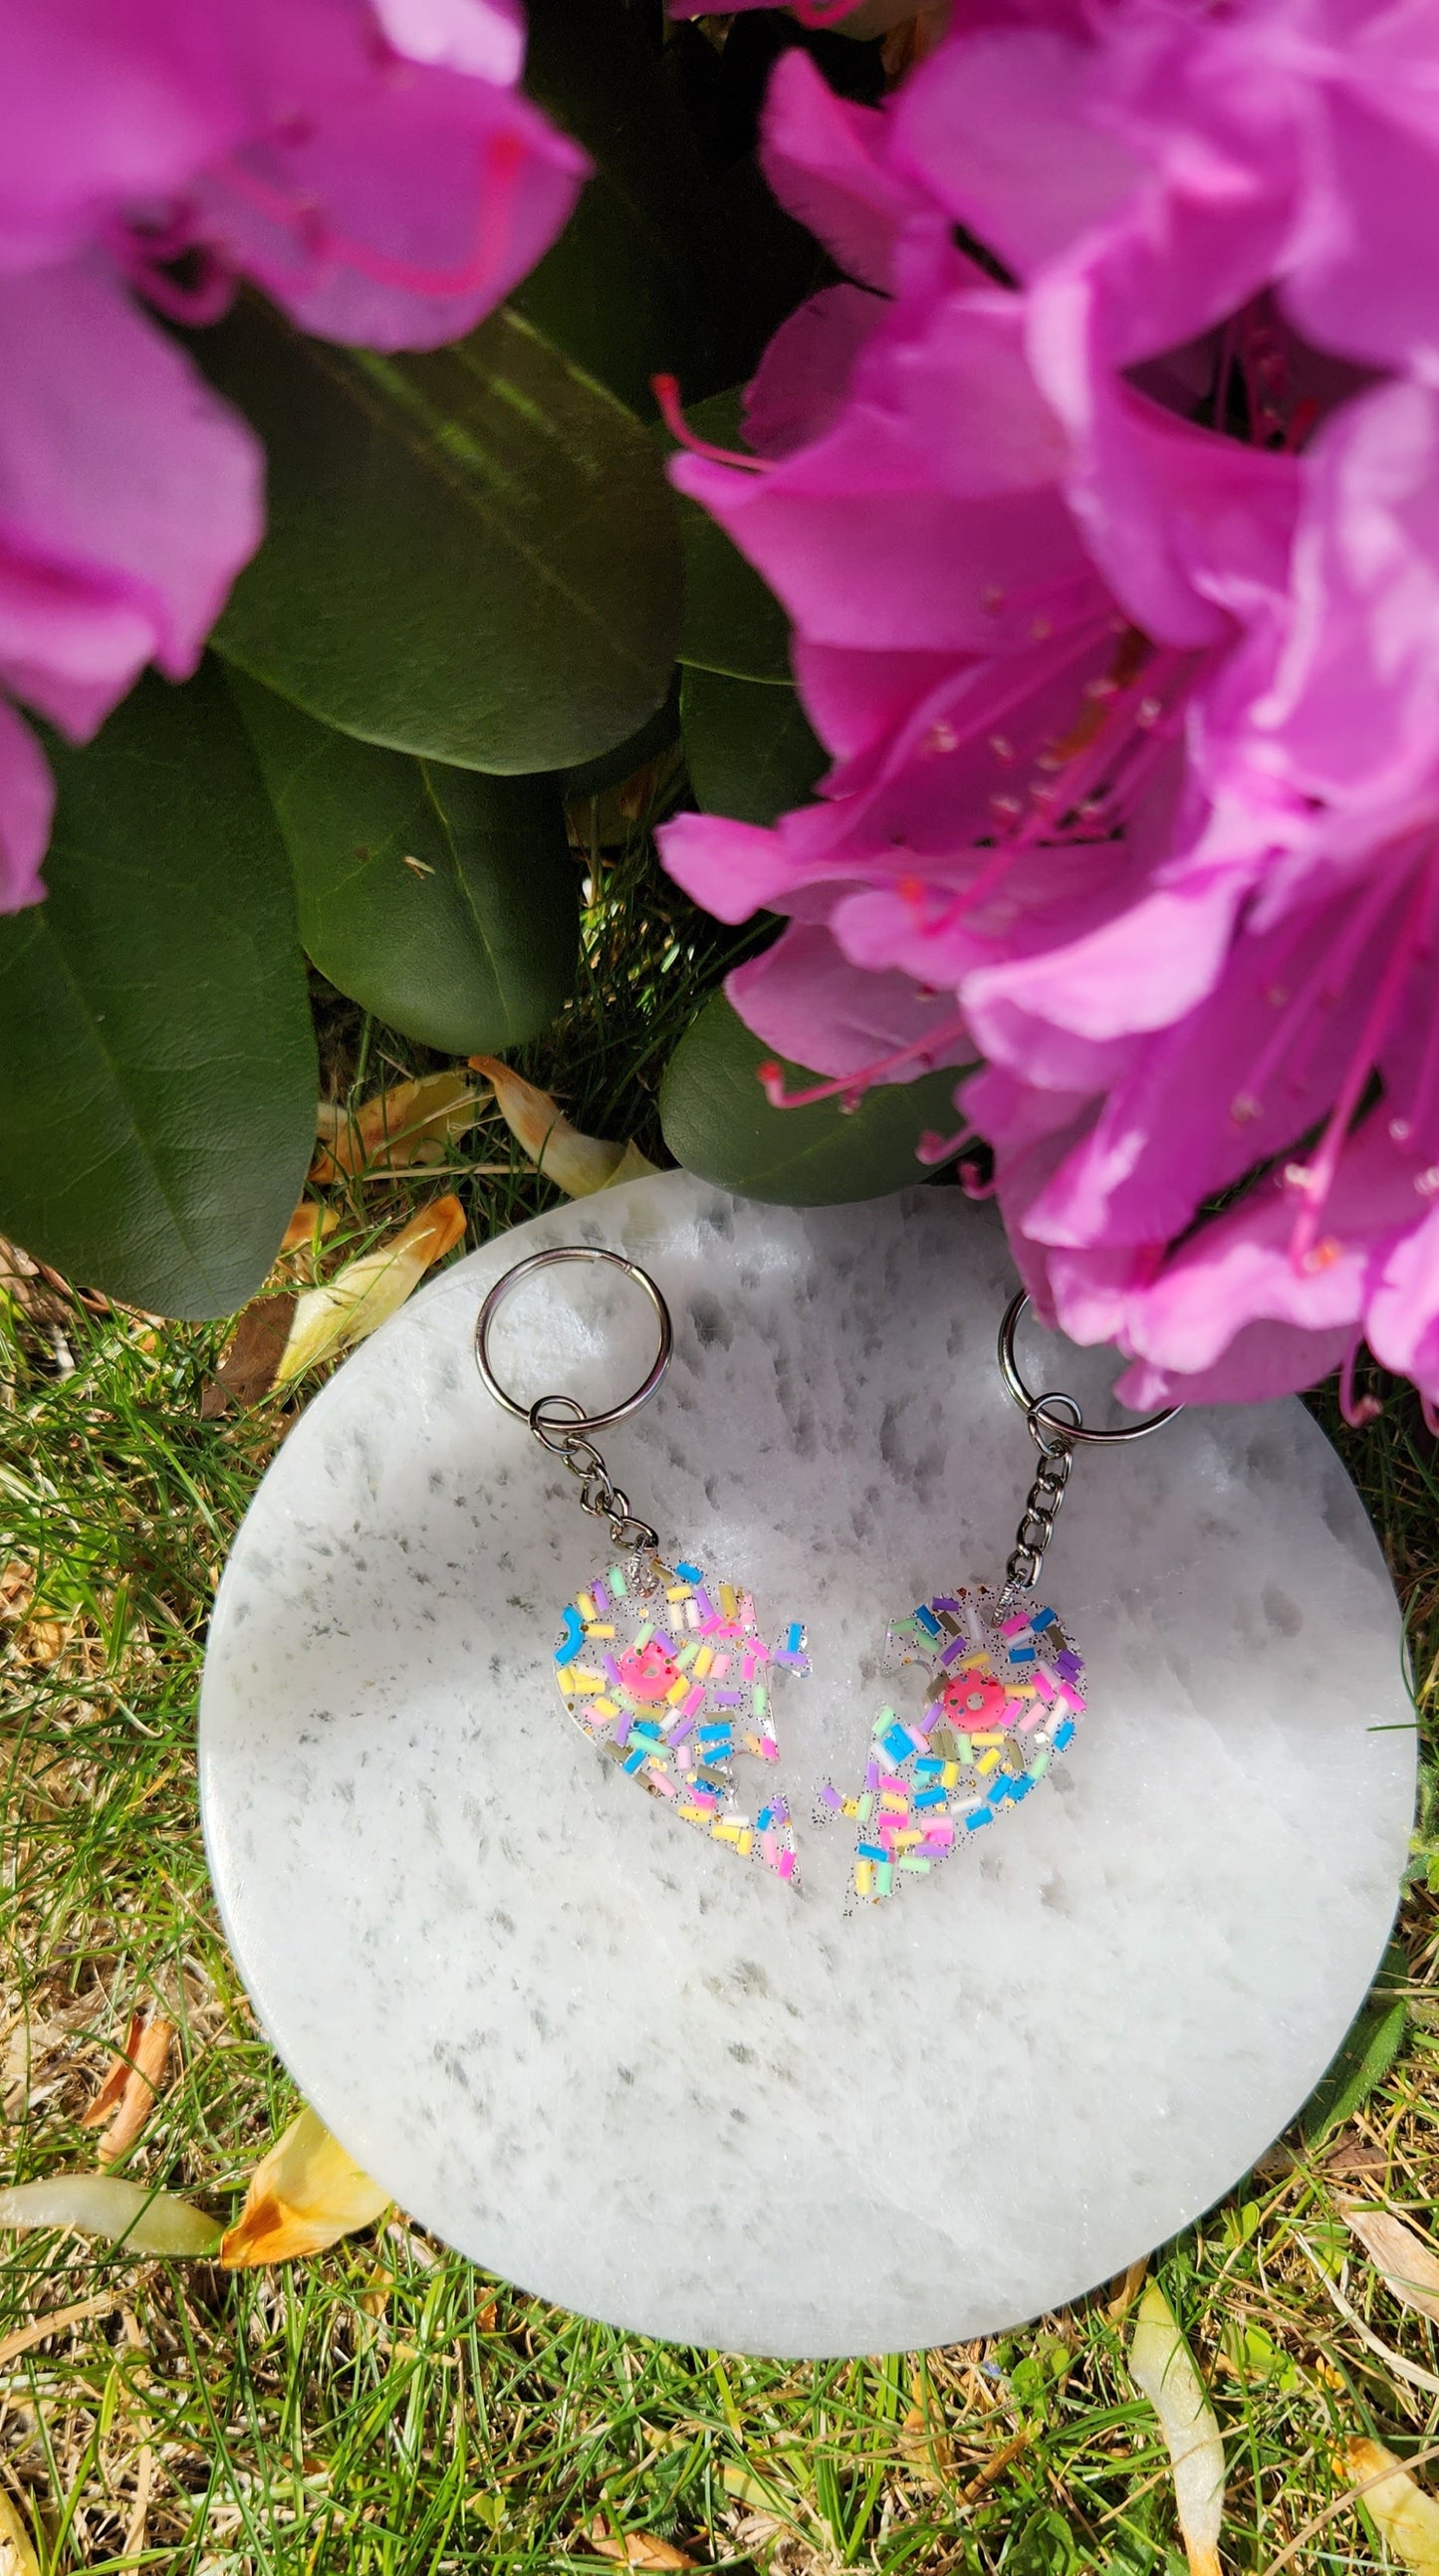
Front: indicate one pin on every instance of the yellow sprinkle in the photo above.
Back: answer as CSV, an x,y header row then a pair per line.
x,y
564,1677
902,1841
678,1690
604,1708
987,1762
971,1664
724,1833
692,1815
949,1776
851,1806
597,1628
728,1604
585,1606
752,1745
1021,1690
744,1845
864,1878
894,1803
704,1657
676,1592
586,1681
995,1736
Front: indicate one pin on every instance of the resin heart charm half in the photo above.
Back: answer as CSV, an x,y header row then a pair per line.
x,y
665,1670
1003,1694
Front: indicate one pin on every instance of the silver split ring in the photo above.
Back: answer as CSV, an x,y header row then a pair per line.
x,y
1037,1408
538,1415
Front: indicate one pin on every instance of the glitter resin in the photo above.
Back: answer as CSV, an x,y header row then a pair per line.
x,y
665,1670
1003,1694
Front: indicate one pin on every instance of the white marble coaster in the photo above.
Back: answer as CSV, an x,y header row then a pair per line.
x,y
639,2078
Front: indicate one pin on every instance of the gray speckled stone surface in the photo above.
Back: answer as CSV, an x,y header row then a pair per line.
x,y
615,2065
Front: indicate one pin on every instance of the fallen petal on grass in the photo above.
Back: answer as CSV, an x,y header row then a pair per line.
x,y
368,1290
1162,2368
577,1164
1406,2261
17,2549
1401,2511
311,1223
98,2111
636,2548
406,1123
304,2195
143,2078
247,1370
128,2213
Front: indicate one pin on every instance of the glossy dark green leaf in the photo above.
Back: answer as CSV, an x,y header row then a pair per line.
x,y
157,1084
1367,2051
612,768
732,620
471,554
750,752
444,901
639,281
718,1123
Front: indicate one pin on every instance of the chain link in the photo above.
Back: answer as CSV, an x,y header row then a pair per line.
x,y
598,1495
1054,1439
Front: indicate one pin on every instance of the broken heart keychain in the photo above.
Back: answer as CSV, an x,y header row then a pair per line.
x,y
1003,1680
660,1664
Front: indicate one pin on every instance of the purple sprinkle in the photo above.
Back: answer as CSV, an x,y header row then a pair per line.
x,y
871,1775
830,1797
942,1601
703,1603
620,1731
679,1730
781,1655
601,1599
1069,1665
612,1672
727,1699
955,1647
779,1809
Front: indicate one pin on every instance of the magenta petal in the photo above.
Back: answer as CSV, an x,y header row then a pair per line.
x,y
1141,970
731,868
27,801
800,385
1263,1362
825,161
482,37
994,126
130,495
803,998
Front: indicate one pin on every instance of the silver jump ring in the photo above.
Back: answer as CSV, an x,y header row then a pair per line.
x,y
1035,1408
537,1414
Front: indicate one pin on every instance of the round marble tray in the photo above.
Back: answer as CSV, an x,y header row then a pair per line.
x,y
636,2076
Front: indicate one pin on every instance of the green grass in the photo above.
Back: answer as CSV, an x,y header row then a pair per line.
x,y
386,2408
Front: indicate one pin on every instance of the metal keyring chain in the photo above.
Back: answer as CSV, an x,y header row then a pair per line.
x,y
1055,1438
560,1422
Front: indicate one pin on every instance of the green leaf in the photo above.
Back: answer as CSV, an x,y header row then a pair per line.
x,y
612,768
750,752
157,1098
639,281
444,901
471,552
732,620
718,1123
1366,2052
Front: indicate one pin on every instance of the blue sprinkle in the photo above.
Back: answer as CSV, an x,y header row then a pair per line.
x,y
871,1851
712,1734
1021,1654
646,1726
928,1621
1021,1787
635,1760
932,1797
573,1638
689,1573
981,1816
765,1819
1042,1619
1062,1734
928,1767
794,1642
897,1744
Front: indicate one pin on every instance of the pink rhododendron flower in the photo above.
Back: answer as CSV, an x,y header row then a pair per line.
x,y
373,168
1113,562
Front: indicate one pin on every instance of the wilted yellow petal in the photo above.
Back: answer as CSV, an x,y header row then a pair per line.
x,y
97,2111
368,1290
1400,2509
1407,2261
576,1163
17,2549
303,2195
1162,2367
635,2549
143,2078
407,1122
148,2222
310,1223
